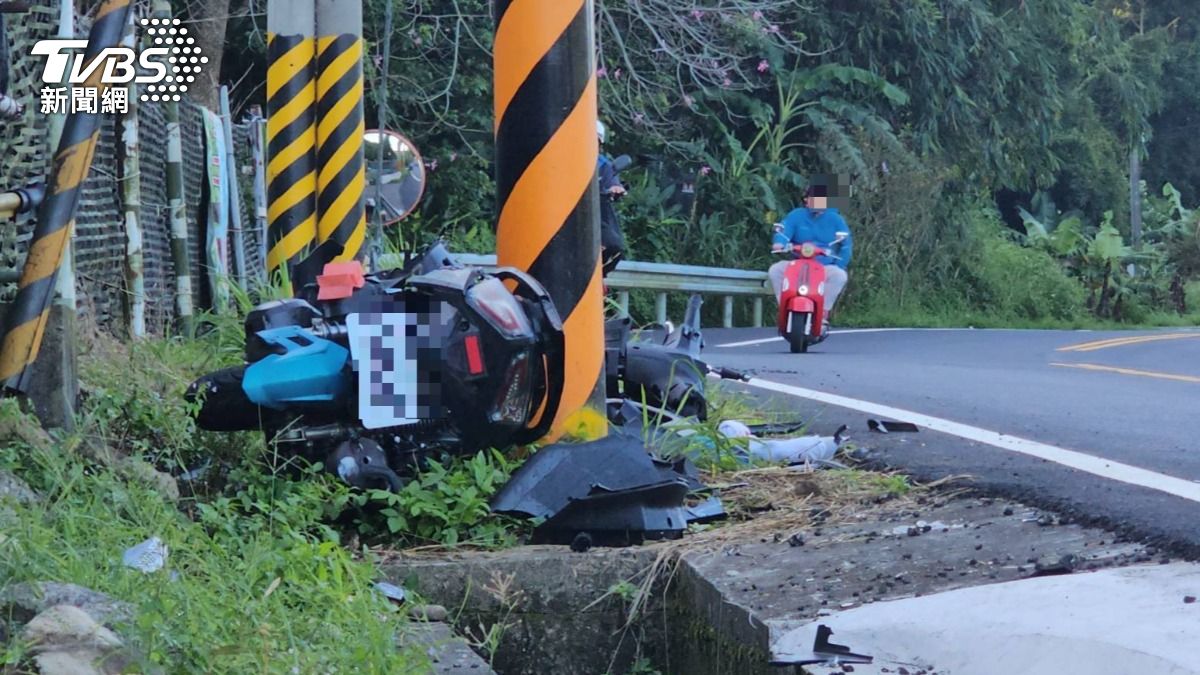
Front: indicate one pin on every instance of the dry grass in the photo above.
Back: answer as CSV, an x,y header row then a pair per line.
x,y
780,501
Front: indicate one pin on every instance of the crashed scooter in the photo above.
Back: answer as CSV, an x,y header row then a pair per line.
x,y
369,374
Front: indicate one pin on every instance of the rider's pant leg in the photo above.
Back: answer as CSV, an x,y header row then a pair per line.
x,y
835,282
775,274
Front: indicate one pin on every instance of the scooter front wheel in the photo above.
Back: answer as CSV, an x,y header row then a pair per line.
x,y
797,336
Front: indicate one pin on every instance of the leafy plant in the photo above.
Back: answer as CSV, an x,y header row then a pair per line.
x,y
446,503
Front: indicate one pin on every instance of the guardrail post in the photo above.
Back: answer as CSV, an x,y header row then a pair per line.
x,y
727,312
660,307
623,303
758,310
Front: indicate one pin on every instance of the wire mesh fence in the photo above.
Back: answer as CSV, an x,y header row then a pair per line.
x,y
100,235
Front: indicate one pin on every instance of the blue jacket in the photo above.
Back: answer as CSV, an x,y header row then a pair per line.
x,y
801,226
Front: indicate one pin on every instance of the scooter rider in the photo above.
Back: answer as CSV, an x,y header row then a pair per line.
x,y
822,225
612,241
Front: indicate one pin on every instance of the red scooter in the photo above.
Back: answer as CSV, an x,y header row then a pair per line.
x,y
802,299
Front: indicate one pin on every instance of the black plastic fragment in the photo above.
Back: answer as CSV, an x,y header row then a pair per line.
x,y
609,489
890,426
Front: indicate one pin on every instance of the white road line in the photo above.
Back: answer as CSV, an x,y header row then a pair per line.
x,y
750,343
849,331
1097,466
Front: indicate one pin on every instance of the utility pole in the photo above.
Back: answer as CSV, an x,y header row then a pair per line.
x,y
546,152
29,315
291,135
341,173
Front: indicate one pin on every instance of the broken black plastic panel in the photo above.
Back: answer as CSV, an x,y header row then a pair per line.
x,y
610,491
825,652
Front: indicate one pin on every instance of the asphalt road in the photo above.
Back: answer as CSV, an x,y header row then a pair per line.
x,y
1124,401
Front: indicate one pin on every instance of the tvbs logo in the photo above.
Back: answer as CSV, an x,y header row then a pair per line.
x,y
168,62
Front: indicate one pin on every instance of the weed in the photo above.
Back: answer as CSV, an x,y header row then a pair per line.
x,y
446,503
256,584
508,598
626,590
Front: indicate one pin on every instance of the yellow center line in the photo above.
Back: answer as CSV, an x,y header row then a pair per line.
x,y
1130,371
1121,342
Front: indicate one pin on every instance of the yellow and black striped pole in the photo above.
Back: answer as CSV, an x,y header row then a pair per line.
x,y
291,135
26,320
340,169
549,209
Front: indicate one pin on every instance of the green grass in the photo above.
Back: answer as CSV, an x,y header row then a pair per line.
x,y
255,583
258,579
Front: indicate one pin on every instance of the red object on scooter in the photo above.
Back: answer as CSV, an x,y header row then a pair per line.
x,y
802,299
340,280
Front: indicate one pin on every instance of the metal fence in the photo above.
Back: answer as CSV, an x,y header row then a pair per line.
x,y
100,238
665,278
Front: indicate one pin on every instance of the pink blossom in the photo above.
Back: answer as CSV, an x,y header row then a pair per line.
x,y
773,28
697,14
705,170
726,82
639,118
617,74
688,101
763,66
758,15
432,164
602,72
453,156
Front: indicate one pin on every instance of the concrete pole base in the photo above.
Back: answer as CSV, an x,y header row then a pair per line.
x,y
54,379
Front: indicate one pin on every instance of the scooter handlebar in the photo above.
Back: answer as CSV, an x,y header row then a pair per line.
x,y
797,249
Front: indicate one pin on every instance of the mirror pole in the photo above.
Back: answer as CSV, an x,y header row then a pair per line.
x,y
381,124
548,201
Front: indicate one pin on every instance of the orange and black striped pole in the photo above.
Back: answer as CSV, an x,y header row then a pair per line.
x,y
291,135
26,320
549,209
341,178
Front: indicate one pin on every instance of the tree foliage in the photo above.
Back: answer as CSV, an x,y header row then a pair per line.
x,y
932,107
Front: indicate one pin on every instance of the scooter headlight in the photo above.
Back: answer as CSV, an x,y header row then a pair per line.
x,y
802,290
808,250
490,298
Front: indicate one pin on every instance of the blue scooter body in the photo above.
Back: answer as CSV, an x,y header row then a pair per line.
x,y
308,370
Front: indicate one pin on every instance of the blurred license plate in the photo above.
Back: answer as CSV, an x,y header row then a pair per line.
x,y
397,356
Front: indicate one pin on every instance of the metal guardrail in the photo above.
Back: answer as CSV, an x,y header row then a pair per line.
x,y
663,278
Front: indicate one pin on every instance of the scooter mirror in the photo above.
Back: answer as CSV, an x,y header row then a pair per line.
x,y
840,237
395,174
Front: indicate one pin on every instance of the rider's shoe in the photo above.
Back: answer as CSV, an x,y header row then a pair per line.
x,y
824,332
